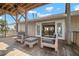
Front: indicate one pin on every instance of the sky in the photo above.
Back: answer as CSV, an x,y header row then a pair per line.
x,y
51,9
45,10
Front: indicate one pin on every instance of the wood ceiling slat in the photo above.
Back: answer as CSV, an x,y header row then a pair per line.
x,y
4,5
8,7
23,7
28,5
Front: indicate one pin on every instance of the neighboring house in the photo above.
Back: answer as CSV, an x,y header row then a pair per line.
x,y
47,26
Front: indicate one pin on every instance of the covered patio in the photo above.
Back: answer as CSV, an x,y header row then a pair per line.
x,y
9,47
9,43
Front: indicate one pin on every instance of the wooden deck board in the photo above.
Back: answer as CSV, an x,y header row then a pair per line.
x,y
36,50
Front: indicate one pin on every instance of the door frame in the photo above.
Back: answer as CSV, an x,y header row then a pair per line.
x,y
56,21
63,28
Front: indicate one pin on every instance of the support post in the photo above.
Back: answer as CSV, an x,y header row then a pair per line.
x,y
68,32
26,24
17,23
5,24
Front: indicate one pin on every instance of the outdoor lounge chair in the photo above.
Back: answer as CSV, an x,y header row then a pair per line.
x,y
49,42
31,41
20,37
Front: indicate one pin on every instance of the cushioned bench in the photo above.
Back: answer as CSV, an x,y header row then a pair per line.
x,y
30,41
20,38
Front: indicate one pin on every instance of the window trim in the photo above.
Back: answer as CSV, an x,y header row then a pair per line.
x,y
40,30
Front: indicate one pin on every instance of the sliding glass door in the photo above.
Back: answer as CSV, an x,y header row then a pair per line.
x,y
48,29
51,29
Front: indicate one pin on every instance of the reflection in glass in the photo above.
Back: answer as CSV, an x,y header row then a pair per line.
x,y
59,29
38,29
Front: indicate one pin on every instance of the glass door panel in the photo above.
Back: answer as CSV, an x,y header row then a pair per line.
x,y
60,29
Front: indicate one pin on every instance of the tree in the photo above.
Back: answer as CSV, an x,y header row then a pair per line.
x,y
2,21
2,26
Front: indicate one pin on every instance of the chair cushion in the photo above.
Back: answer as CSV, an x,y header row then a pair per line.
x,y
50,41
31,39
21,33
19,37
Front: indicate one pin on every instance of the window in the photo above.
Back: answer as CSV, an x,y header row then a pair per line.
x,y
59,29
48,29
38,29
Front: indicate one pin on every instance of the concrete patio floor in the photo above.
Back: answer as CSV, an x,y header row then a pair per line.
x,y
9,47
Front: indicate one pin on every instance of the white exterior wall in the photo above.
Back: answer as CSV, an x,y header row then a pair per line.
x,y
31,29
21,27
32,26
75,23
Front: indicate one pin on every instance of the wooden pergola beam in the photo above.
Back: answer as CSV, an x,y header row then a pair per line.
x,y
22,6
5,5
13,10
28,6
10,6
